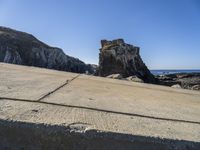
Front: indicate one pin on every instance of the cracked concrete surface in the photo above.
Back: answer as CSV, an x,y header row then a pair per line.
x,y
60,109
28,83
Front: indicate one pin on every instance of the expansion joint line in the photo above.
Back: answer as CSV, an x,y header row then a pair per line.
x,y
61,86
101,110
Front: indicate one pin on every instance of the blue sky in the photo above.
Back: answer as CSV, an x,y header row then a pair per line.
x,y
167,31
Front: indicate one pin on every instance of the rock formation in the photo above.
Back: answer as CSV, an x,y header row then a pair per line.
x,y
21,48
182,80
117,57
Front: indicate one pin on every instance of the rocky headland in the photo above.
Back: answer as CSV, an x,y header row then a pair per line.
x,y
22,48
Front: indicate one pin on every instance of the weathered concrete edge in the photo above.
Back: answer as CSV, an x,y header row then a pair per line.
x,y
18,135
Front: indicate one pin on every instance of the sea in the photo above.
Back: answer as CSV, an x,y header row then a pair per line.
x,y
164,72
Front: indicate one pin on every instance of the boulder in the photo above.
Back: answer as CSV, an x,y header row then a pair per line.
x,y
176,86
115,76
196,87
117,57
134,79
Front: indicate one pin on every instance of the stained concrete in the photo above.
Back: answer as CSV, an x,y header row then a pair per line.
x,y
47,109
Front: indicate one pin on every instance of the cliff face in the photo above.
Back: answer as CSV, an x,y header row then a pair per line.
x,y
117,57
21,48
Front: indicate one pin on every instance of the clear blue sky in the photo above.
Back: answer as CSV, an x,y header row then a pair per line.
x,y
167,31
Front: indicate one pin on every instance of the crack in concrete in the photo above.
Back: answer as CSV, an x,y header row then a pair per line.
x,y
102,110
59,87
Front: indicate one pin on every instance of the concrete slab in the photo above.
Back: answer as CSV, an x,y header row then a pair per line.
x,y
141,100
38,111
158,134
31,83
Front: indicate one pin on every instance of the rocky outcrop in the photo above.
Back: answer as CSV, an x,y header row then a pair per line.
x,y
21,48
181,80
117,57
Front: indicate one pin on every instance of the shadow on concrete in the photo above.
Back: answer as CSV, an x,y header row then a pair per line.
x,y
15,135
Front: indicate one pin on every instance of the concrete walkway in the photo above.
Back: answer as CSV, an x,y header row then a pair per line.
x,y
47,109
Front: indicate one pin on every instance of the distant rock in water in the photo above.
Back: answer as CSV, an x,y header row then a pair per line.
x,y
117,57
21,48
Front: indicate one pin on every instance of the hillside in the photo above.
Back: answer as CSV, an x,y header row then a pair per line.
x,y
22,48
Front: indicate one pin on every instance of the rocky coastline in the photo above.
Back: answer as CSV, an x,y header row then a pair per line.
x,y
117,60
189,81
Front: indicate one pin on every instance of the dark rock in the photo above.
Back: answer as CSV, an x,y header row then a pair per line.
x,y
21,48
168,80
190,82
185,80
92,69
196,87
117,57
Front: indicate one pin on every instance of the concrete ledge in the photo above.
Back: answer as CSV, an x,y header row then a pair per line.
x,y
22,135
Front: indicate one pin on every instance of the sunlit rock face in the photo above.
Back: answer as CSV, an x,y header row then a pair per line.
x,y
22,48
117,57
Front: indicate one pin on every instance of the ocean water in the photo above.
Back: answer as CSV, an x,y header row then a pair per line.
x,y
163,72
